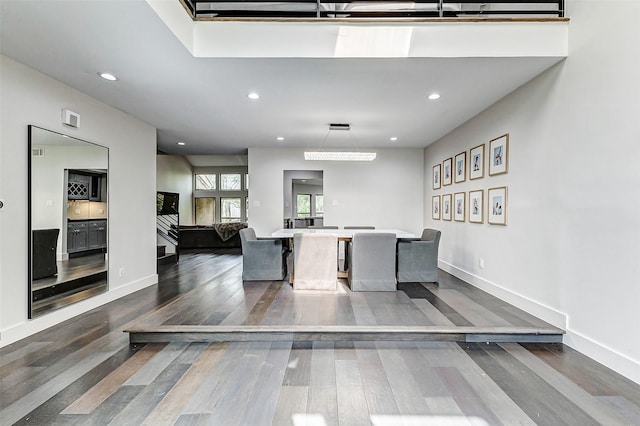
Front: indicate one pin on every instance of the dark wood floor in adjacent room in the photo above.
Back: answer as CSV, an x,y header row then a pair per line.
x,y
84,371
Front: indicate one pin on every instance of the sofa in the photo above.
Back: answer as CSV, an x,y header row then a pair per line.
x,y
220,235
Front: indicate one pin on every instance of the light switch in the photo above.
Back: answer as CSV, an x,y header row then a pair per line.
x,y
256,203
100,211
335,202
49,203
77,211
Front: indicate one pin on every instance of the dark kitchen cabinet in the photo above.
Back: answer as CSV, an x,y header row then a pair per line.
x,y
85,235
97,234
77,236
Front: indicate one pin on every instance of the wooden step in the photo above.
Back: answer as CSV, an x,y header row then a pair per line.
x,y
266,333
167,259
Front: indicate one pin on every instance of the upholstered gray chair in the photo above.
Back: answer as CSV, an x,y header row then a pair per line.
x,y
315,261
262,259
372,262
346,246
418,259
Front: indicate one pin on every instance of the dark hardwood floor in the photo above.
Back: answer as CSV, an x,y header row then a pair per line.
x,y
85,372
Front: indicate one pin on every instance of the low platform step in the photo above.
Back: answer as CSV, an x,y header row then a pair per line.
x,y
204,333
167,258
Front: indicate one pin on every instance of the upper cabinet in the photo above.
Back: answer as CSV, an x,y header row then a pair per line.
x,y
85,186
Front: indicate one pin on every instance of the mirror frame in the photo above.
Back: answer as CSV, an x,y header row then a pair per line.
x,y
63,230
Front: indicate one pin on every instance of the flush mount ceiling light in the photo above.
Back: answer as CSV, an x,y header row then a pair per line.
x,y
434,96
253,95
339,156
279,138
181,143
108,76
393,138
339,126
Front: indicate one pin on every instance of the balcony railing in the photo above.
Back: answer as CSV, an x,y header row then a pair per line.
x,y
372,9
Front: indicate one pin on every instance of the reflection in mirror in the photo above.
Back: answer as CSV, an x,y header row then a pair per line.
x,y
303,198
67,220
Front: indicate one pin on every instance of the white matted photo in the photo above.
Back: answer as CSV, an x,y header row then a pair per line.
x,y
435,207
476,206
436,176
458,206
497,205
447,171
446,207
499,155
476,162
460,167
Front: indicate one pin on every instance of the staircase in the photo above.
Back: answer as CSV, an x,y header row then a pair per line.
x,y
167,226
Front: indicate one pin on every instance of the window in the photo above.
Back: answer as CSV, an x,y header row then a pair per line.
x,y
303,205
230,182
206,182
230,210
319,204
246,204
246,181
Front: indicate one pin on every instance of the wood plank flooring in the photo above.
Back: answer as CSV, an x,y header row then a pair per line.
x,y
85,372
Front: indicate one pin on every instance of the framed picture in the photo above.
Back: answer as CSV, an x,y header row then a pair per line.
x,y
435,207
446,207
476,206
458,205
476,162
447,171
497,205
499,155
461,167
436,176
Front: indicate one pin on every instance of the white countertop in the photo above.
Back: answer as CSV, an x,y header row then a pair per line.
x,y
340,233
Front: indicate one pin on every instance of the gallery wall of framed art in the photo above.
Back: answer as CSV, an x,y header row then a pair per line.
x,y
463,206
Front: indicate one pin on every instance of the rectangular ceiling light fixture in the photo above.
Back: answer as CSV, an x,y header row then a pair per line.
x,y
339,156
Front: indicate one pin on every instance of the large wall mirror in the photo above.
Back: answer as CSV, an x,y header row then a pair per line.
x,y
303,198
68,220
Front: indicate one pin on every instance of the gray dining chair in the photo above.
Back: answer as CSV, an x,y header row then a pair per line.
x,y
418,258
262,259
315,261
322,227
346,246
372,262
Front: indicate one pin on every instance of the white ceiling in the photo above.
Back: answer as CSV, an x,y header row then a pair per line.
x,y
202,101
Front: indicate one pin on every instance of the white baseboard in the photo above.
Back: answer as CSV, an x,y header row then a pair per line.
x,y
30,327
601,353
604,355
545,313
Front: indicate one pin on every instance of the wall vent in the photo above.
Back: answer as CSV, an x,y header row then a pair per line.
x,y
70,118
37,152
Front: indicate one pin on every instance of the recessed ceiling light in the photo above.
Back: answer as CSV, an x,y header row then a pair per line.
x,y
393,138
280,138
108,76
434,96
181,143
253,95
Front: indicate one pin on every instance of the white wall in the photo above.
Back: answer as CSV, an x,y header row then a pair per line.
x,y
29,97
387,192
571,248
175,174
